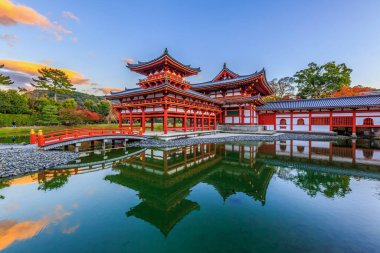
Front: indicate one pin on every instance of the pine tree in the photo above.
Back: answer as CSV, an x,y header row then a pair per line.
x,y
5,80
54,80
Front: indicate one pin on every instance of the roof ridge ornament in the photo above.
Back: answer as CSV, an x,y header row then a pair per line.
x,y
166,51
224,65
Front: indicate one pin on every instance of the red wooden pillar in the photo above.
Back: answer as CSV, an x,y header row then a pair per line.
x,y
257,116
195,120
214,121
354,124
250,114
209,121
143,119
309,121
239,115
130,120
165,119
152,123
275,120
184,124
291,121
120,119
331,121
202,121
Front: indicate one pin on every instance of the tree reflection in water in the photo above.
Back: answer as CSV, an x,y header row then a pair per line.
x,y
313,182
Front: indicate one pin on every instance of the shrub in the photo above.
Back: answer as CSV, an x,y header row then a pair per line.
x,y
20,119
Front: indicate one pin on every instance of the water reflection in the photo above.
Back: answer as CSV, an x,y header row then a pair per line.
x,y
164,178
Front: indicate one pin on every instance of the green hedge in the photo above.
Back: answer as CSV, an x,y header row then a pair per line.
x,y
20,119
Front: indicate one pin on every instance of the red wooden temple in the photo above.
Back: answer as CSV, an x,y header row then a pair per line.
x,y
165,96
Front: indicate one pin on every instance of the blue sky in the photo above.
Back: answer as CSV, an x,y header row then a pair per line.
x,y
282,36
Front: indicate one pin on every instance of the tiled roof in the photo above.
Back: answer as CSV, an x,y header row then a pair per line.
x,y
152,89
165,54
227,81
359,101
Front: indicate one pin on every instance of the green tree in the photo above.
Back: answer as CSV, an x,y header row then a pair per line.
x,y
283,88
49,115
13,102
321,81
5,80
53,80
90,105
104,107
69,103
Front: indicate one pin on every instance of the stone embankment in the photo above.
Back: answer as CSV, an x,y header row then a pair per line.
x,y
226,137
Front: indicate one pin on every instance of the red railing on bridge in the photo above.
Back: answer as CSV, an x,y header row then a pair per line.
x,y
72,134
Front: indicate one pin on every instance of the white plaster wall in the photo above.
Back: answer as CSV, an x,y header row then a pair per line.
x,y
320,128
300,127
228,120
337,114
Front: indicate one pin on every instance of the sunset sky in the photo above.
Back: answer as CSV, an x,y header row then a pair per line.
x,y
93,40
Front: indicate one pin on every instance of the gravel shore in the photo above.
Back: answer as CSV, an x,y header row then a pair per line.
x,y
151,143
16,160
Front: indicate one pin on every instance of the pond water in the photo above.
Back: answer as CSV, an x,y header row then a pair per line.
x,y
289,196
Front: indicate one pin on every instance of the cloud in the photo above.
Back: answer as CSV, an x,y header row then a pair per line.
x,y
127,60
13,230
10,39
32,68
108,90
70,230
70,15
13,14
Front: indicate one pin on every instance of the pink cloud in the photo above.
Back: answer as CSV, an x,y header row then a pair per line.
x,y
13,14
128,60
70,15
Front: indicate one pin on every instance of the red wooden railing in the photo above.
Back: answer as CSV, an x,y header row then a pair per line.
x,y
72,134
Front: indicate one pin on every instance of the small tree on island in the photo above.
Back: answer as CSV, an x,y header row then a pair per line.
x,y
322,81
53,80
5,80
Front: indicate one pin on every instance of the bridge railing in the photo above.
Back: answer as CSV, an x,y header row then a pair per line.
x,y
71,134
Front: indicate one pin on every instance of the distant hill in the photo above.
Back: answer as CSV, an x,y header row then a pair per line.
x,y
79,97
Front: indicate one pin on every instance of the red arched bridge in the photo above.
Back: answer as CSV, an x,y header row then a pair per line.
x,y
76,136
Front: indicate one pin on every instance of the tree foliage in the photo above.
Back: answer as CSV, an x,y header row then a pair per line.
x,y
5,80
357,90
104,107
90,105
283,88
13,102
322,81
49,115
70,116
69,103
53,80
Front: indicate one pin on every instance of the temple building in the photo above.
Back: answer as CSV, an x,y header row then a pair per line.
x,y
165,97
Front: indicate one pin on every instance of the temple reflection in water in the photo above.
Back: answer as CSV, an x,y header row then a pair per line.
x,y
164,178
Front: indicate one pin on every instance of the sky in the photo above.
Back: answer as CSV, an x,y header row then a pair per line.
x,y
92,40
